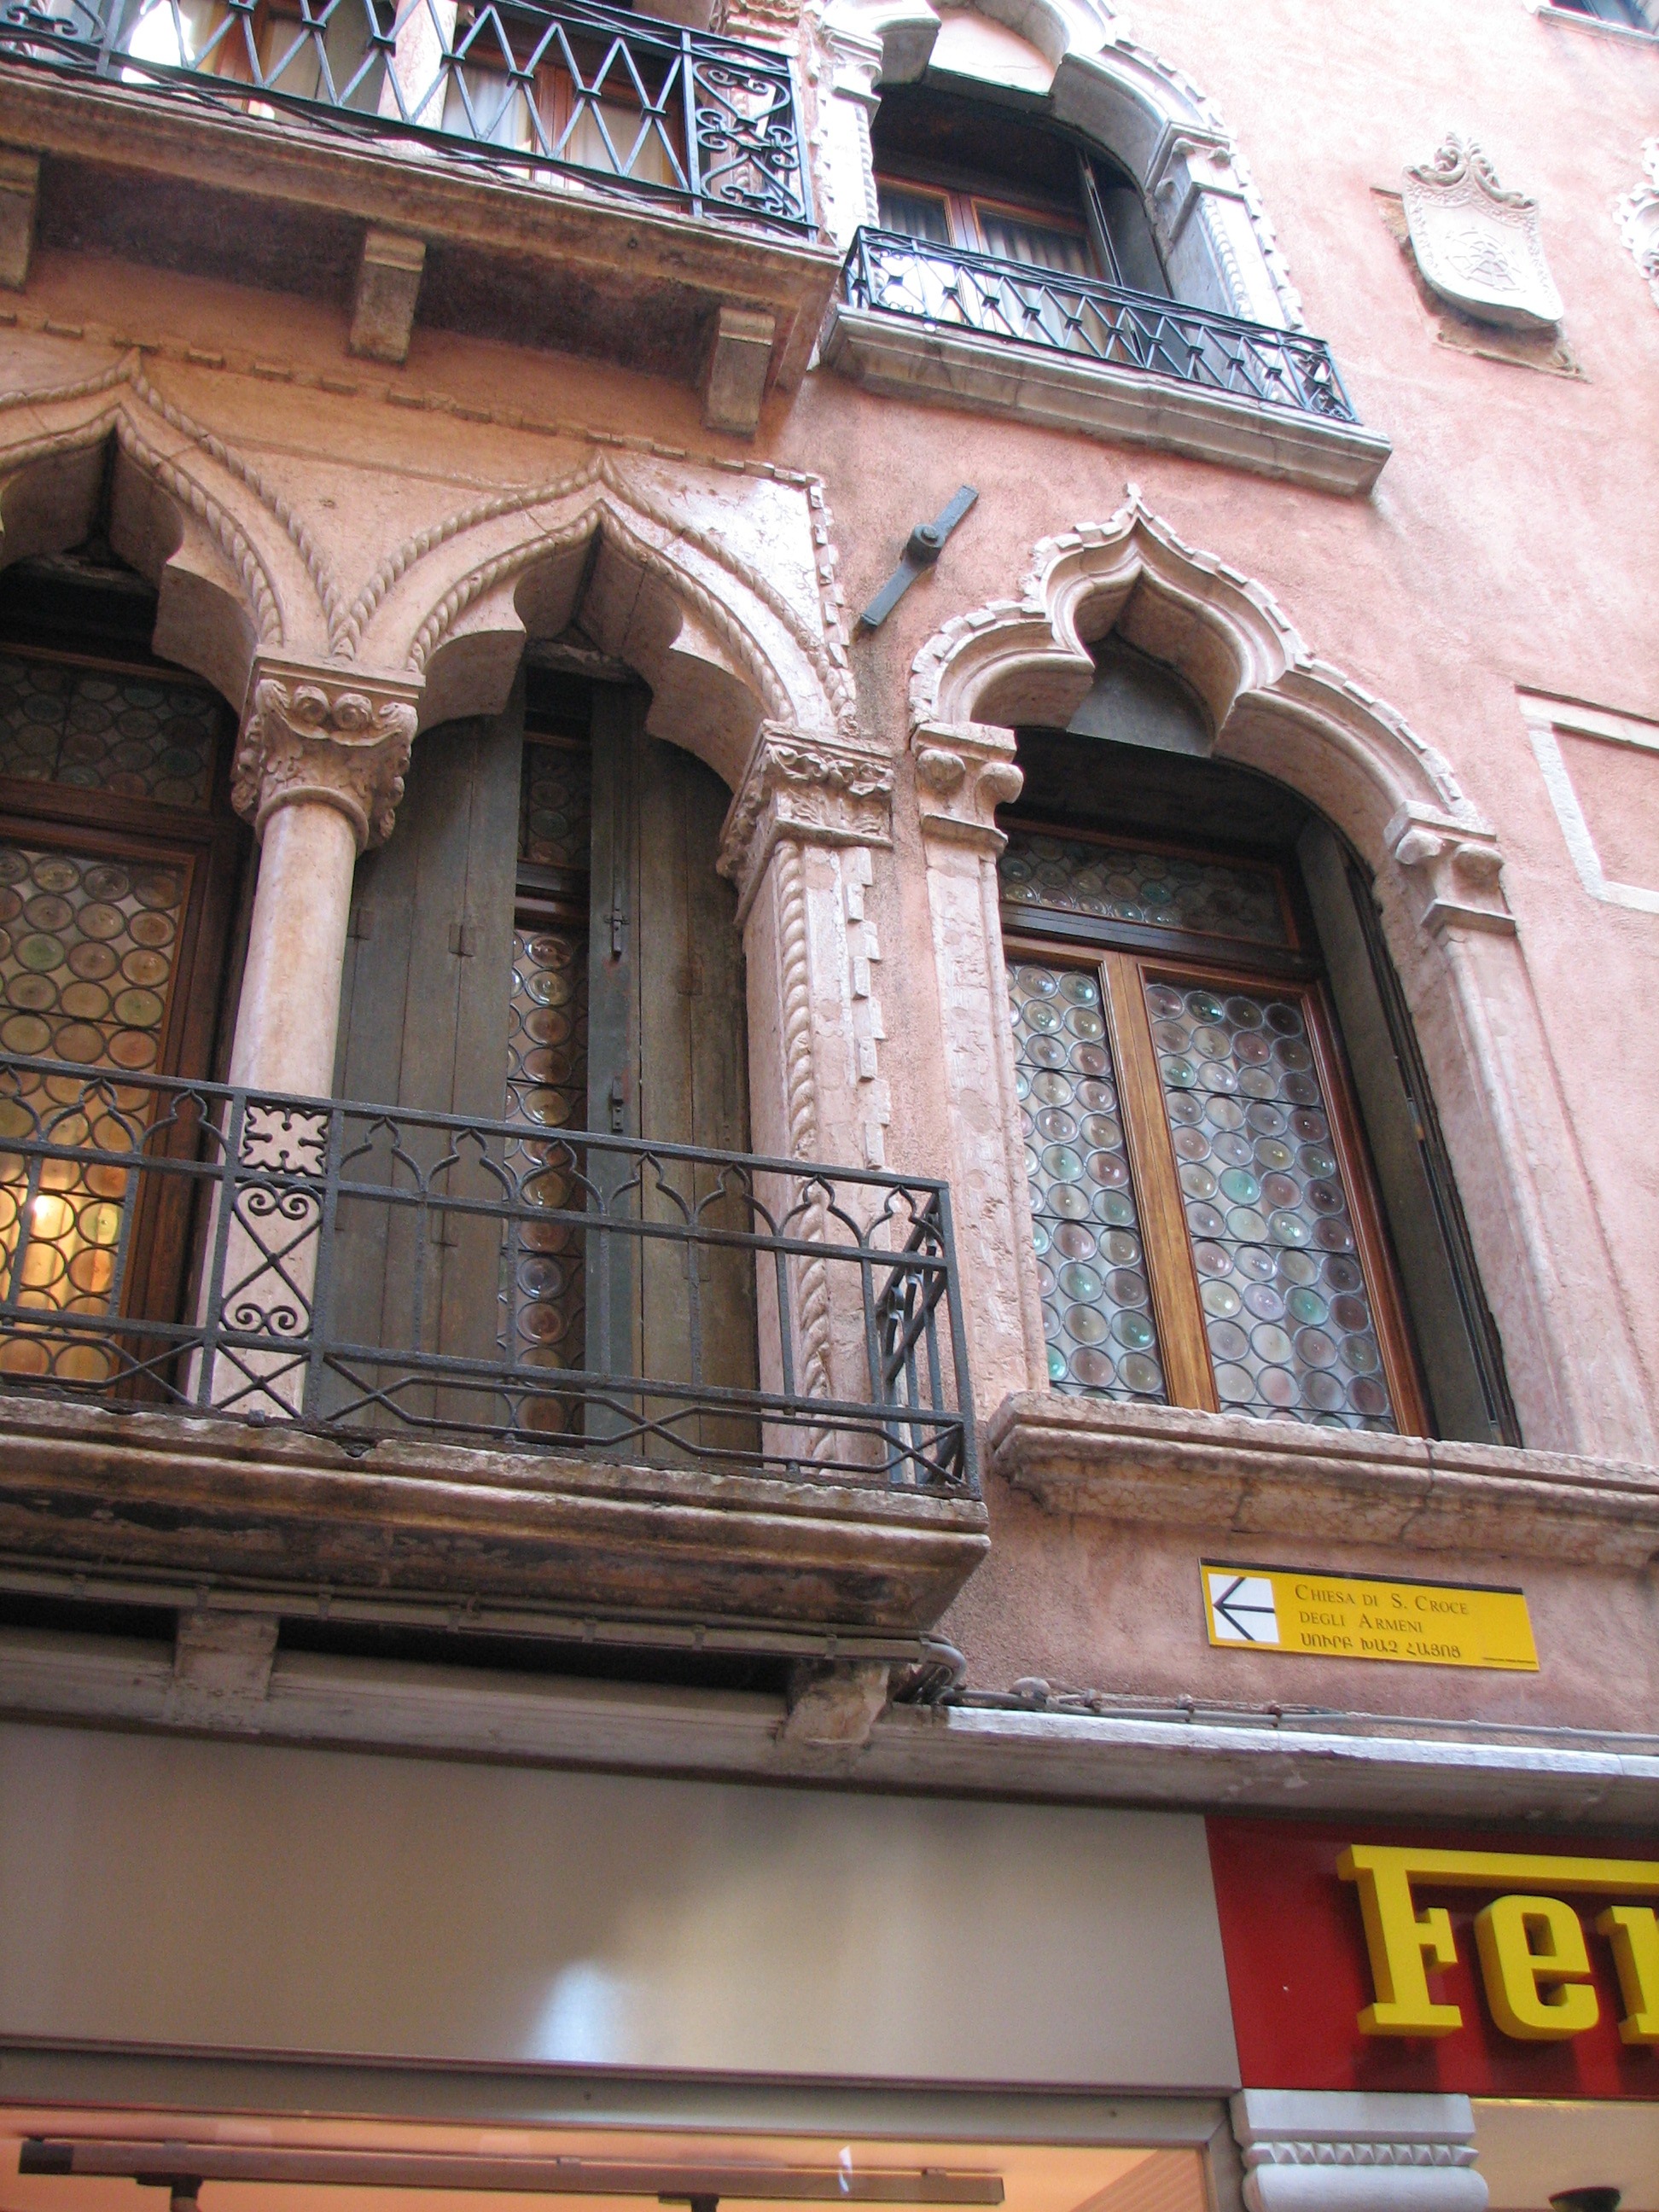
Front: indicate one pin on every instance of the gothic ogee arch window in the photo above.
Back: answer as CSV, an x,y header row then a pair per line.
x,y
1239,1200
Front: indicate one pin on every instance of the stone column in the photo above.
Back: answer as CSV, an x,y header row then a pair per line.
x,y
963,773
319,771
799,842
1322,2150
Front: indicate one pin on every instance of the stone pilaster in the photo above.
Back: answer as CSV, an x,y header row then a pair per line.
x,y
1320,2151
799,845
964,773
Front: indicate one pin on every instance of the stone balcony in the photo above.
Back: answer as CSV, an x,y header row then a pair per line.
x,y
572,176
310,1352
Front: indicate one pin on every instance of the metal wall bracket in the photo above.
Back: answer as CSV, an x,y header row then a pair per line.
x,y
923,547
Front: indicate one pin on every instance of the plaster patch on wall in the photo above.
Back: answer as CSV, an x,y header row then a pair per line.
x,y
1601,772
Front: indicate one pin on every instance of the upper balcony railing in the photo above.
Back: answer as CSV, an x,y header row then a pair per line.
x,y
576,95
369,1271
948,288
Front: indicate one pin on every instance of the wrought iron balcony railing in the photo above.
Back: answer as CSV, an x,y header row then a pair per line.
x,y
576,94
946,288
369,1271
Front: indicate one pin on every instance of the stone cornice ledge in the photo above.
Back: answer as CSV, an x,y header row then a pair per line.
x,y
1274,1479
912,360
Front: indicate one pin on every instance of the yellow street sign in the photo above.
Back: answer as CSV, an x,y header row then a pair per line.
x,y
1336,1616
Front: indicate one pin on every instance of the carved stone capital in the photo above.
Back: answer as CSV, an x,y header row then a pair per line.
x,y
964,772
312,737
1456,872
806,791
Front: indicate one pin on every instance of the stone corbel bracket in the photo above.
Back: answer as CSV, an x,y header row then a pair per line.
x,y
964,772
1357,2151
314,737
1456,872
805,791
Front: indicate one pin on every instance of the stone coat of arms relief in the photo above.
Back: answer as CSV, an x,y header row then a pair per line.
x,y
1478,246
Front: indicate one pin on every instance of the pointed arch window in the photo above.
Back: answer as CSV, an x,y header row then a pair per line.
x,y
1241,1199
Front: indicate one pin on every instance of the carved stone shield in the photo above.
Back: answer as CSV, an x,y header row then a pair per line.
x,y
1478,246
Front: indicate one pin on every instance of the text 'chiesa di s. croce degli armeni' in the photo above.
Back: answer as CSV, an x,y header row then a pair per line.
x,y
828,897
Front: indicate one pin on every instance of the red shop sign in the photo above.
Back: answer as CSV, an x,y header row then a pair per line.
x,y
1365,1959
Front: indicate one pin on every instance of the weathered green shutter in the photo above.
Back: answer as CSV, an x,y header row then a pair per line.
x,y
423,1021
1462,1361
667,1058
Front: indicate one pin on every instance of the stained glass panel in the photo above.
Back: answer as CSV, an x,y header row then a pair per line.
x,y
1096,1306
136,736
1130,884
1287,1311
89,947
553,816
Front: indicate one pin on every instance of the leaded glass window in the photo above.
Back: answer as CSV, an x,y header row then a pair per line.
x,y
1202,1206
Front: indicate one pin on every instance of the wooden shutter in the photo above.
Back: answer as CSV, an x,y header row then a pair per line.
x,y
667,1058
1456,1340
424,1019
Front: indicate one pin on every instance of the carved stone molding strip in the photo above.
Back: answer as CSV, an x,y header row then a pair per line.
x,y
420,543
330,595
1030,655
608,514
311,740
222,525
800,1080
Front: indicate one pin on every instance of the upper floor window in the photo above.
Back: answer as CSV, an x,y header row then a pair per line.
x,y
1240,1200
950,172
1205,1229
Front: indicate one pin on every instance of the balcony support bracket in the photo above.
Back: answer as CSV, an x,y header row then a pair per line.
x,y
734,378
388,286
19,194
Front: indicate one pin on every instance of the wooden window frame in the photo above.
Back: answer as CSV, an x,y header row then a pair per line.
x,y
1125,957
207,844
961,213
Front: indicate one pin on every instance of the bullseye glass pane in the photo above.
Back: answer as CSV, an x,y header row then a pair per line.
x,y
1097,1305
88,951
1292,1333
554,814
544,1290
1129,883
133,736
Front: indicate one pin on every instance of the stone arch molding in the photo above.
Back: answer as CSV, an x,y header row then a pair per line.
x,y
1273,706
720,598
1439,871
1212,225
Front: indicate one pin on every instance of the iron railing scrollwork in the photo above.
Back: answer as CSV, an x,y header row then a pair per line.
x,y
575,95
1090,320
368,1270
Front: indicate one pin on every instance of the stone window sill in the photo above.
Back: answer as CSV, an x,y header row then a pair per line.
x,y
905,359
1273,1478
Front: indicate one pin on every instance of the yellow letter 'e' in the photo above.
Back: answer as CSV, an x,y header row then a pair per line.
x,y
1537,1968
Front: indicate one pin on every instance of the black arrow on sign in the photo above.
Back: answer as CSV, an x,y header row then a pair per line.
x,y
1236,1614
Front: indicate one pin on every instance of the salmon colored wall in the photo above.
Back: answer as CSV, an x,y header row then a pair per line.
x,y
1511,542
